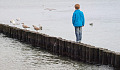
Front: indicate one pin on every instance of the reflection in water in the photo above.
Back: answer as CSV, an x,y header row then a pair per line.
x,y
15,55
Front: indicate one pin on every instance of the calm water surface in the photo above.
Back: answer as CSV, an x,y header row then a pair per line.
x,y
15,55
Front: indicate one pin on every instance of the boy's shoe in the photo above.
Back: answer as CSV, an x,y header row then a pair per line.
x,y
78,41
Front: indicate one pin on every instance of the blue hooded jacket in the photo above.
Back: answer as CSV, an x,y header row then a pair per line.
x,y
78,18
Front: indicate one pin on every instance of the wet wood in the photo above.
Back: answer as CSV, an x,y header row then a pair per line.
x,y
76,51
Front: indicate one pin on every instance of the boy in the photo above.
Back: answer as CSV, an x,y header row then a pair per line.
x,y
78,22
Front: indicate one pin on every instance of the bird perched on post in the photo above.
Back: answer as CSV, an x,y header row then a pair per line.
x,y
18,19
14,23
25,26
37,28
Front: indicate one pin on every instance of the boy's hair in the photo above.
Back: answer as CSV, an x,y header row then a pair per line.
x,y
77,6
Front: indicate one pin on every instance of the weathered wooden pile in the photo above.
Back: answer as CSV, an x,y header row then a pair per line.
x,y
76,51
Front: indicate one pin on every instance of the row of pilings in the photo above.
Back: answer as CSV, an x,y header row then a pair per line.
x,y
76,51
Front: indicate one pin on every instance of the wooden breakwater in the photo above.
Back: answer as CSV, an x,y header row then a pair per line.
x,y
76,51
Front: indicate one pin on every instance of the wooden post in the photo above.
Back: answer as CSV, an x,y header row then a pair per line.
x,y
96,56
68,50
16,34
56,47
23,35
80,52
83,56
91,54
0,28
72,49
60,46
117,61
76,51
87,52
63,49
54,44
32,38
42,41
105,57
51,44
3,30
113,59
109,55
13,30
45,41
37,40
48,43
10,31
7,30
43,38
100,55
27,36
20,35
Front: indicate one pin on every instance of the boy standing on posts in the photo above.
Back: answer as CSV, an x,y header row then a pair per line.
x,y
78,22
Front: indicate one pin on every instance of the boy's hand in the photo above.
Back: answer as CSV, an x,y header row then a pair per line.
x,y
82,26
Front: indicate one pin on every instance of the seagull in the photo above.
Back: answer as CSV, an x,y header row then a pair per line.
x,y
18,19
40,27
14,23
25,26
37,28
91,24
49,9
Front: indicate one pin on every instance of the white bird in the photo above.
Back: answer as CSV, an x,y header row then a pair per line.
x,y
40,27
18,19
37,28
14,23
25,26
